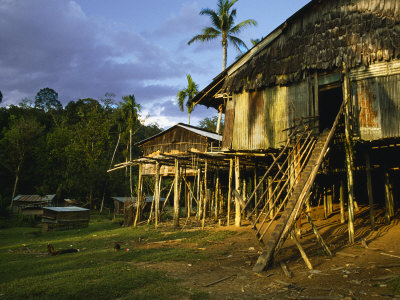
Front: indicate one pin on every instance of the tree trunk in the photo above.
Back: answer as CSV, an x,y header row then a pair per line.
x,y
189,118
15,183
139,196
225,53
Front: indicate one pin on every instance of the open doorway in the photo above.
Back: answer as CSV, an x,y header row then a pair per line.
x,y
330,99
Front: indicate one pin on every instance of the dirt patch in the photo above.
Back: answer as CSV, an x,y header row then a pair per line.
x,y
364,270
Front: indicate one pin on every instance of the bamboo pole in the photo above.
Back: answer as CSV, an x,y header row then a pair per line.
x,y
176,194
349,155
254,185
198,194
270,196
237,187
369,190
228,216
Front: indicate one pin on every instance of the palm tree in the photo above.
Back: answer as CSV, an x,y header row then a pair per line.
x,y
223,24
188,93
130,110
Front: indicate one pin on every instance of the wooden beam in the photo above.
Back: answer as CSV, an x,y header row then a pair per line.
x,y
389,203
302,252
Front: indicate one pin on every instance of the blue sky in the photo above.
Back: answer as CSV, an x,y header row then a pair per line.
x,y
86,48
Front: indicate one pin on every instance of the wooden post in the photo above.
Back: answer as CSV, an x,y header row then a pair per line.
x,y
324,195
389,203
238,216
139,196
198,194
157,195
244,187
256,194
342,216
369,189
176,194
189,199
316,100
205,198
329,200
216,195
228,216
349,154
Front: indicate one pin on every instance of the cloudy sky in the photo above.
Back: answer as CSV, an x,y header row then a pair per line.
x,y
86,48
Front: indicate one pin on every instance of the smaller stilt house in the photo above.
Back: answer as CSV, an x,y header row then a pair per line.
x,y
32,204
174,153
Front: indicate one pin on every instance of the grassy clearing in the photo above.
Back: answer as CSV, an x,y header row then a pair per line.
x,y
97,271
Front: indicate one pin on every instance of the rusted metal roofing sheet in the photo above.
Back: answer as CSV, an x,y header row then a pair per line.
x,y
378,102
261,117
29,198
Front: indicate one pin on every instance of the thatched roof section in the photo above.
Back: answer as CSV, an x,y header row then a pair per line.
x,y
321,36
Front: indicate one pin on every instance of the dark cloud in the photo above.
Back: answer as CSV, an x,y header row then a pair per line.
x,y
54,44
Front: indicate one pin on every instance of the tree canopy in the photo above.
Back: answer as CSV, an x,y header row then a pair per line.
x,y
47,99
223,25
188,94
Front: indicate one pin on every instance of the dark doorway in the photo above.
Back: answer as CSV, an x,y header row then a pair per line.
x,y
329,102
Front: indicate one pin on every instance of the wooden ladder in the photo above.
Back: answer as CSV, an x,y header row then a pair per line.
x,y
296,199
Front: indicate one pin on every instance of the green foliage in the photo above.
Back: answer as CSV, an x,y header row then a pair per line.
x,y
188,94
68,151
47,99
210,123
223,25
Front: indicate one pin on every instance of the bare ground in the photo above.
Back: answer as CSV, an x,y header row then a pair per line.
x,y
354,272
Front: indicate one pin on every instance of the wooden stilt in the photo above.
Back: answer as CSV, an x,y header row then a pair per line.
x,y
254,186
389,203
198,194
244,188
329,200
229,198
216,193
369,189
342,215
176,194
302,252
237,187
139,196
157,194
349,154
324,193
205,198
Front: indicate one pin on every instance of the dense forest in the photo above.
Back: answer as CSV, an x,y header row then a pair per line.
x,y
46,148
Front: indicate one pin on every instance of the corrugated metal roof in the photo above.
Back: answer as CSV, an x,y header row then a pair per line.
x,y
149,199
191,128
34,198
66,209
29,198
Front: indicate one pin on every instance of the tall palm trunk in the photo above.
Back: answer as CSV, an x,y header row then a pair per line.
x,y
189,118
225,53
